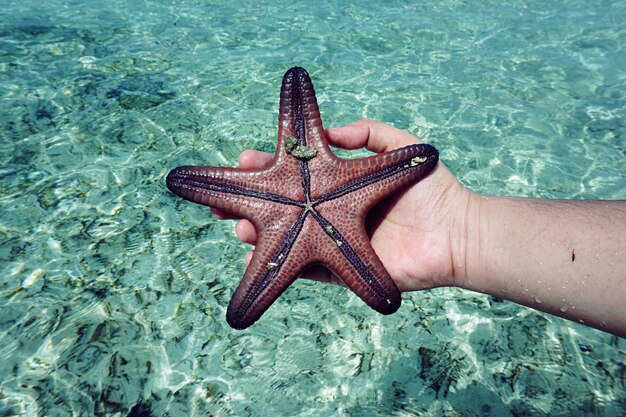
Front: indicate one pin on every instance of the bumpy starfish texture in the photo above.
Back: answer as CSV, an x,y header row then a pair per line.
x,y
308,207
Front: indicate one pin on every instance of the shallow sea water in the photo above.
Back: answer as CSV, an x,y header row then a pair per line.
x,y
113,291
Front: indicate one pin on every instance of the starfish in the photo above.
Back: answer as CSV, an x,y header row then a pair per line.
x,y
308,207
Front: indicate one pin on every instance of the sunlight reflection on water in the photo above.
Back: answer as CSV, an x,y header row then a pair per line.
x,y
114,292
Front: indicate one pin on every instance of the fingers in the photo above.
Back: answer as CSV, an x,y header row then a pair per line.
x,y
375,136
221,215
321,274
246,232
248,257
251,159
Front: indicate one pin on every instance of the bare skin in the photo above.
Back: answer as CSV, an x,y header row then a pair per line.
x,y
566,258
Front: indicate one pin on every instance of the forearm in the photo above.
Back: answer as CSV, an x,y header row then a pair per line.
x,y
567,258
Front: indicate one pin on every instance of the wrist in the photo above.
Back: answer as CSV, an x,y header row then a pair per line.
x,y
467,247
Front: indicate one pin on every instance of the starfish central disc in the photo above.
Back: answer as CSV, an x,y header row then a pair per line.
x,y
308,206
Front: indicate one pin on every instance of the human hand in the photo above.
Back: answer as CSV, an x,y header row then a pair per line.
x,y
438,233
415,232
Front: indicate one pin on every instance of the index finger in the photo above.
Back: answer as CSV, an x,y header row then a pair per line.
x,y
375,136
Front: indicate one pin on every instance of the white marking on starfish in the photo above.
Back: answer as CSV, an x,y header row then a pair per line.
x,y
417,160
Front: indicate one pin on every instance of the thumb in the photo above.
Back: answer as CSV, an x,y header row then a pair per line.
x,y
375,136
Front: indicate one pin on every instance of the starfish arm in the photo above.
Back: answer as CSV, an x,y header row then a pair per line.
x,y
239,192
386,173
281,253
299,114
354,261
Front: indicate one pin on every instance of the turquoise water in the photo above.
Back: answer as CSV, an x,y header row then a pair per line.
x,y
113,291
